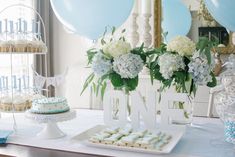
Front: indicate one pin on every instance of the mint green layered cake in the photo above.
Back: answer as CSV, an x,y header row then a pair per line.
x,y
50,105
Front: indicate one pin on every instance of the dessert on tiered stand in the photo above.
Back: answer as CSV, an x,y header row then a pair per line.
x,y
50,111
19,102
22,46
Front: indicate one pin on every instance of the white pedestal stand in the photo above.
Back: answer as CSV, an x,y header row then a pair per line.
x,y
51,129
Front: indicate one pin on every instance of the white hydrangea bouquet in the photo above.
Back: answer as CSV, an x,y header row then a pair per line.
x,y
115,62
183,64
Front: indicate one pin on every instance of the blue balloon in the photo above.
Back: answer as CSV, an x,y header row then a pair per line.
x,y
90,17
223,11
177,19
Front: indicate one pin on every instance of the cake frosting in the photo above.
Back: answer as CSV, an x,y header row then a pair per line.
x,y
50,105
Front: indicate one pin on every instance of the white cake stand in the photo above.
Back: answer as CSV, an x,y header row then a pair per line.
x,y
51,129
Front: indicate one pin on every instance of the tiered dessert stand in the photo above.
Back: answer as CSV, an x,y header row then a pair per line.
x,y
51,129
13,30
16,34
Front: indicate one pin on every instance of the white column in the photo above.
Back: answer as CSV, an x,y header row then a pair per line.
x,y
134,34
146,11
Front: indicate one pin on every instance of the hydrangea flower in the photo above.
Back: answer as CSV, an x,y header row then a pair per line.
x,y
169,63
182,45
200,69
117,48
128,65
101,65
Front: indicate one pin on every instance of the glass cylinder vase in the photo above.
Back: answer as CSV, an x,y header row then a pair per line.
x,y
184,113
116,106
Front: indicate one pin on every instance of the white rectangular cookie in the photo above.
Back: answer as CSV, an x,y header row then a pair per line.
x,y
112,130
120,143
112,139
140,133
97,138
130,139
125,131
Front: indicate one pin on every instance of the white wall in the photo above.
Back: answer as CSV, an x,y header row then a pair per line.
x,y
70,52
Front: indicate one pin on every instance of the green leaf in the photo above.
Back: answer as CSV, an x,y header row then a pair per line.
x,y
208,54
164,35
94,87
103,89
87,82
188,84
151,76
143,57
90,54
97,89
180,79
202,43
194,89
213,82
141,48
157,74
116,80
103,42
105,31
113,30
167,83
131,84
124,30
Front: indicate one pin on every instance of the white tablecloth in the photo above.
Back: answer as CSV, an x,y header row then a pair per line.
x,y
205,141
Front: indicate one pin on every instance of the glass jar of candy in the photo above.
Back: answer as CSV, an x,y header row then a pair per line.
x,y
229,124
228,77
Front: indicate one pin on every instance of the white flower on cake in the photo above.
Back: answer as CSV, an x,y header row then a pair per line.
x,y
128,65
101,65
182,45
117,48
169,63
200,69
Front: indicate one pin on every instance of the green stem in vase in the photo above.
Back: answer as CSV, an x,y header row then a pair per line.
x,y
180,105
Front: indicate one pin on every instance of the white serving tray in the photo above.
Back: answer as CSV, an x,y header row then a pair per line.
x,y
175,132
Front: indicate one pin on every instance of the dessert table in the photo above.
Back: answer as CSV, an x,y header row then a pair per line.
x,y
205,140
